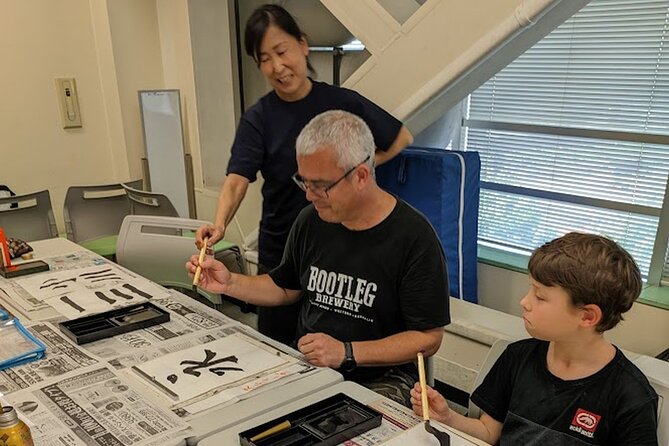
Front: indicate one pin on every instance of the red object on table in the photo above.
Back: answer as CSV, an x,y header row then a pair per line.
x,y
4,250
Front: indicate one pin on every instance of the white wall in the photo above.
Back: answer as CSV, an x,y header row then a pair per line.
x,y
214,50
133,26
40,41
112,48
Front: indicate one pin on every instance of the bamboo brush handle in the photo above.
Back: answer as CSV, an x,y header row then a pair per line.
x,y
423,387
203,252
273,430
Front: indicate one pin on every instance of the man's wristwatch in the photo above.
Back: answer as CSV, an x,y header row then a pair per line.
x,y
348,364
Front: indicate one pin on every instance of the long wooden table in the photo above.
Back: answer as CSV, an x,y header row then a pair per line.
x,y
212,419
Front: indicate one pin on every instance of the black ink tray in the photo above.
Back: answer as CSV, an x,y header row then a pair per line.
x,y
325,423
114,322
22,269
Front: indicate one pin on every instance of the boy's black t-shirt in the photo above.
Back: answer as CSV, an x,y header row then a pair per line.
x,y
366,285
615,406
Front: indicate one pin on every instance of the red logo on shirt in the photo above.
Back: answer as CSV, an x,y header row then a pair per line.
x,y
586,420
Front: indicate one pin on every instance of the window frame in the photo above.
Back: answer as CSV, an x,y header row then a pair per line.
x,y
656,290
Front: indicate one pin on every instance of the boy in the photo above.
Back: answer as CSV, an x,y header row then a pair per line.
x,y
567,385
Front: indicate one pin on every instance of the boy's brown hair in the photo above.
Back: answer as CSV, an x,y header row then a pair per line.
x,y
592,270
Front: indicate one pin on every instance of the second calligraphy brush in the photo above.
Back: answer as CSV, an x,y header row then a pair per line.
x,y
198,271
287,424
443,438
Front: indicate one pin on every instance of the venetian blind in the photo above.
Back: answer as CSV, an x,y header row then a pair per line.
x,y
573,134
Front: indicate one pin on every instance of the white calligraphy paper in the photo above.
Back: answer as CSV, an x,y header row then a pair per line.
x,y
44,286
91,290
197,370
418,436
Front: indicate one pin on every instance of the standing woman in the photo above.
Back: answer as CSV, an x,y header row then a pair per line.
x,y
265,143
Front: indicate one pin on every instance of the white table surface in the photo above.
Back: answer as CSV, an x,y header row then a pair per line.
x,y
214,419
230,436
52,247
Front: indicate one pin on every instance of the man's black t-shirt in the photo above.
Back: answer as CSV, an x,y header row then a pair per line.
x,y
366,285
265,142
615,406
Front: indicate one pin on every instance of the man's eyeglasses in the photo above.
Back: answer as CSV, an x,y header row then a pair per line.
x,y
321,190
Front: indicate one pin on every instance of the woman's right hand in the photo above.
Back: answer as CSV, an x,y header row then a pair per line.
x,y
214,233
439,410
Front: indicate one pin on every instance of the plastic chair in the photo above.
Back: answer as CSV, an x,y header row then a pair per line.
x,y
249,247
158,247
656,372
7,192
32,218
149,203
495,351
429,371
93,215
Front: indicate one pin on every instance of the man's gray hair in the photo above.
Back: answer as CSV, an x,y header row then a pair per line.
x,y
344,133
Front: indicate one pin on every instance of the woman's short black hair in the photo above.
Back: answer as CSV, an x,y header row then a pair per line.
x,y
260,20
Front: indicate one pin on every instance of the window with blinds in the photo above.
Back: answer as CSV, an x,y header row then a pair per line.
x,y
574,134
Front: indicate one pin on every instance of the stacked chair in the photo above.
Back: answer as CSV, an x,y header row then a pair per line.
x,y
93,215
149,203
28,217
158,247
140,230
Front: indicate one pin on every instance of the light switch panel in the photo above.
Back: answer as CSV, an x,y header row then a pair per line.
x,y
69,102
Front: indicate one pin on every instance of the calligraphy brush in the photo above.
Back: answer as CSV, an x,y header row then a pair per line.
x,y
443,438
198,271
288,423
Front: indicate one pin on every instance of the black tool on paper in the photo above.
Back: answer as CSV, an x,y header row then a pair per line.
x,y
111,323
21,269
325,423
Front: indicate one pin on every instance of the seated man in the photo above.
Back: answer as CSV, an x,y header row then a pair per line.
x,y
368,268
568,385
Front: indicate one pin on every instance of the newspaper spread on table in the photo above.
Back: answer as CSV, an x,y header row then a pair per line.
x,y
399,427
87,395
94,407
396,419
62,357
190,324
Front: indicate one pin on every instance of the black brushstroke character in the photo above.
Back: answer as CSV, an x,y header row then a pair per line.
x,y
220,371
71,303
114,277
102,296
209,355
101,276
120,294
95,273
136,290
172,378
45,285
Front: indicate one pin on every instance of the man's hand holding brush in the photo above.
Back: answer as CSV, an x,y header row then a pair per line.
x,y
207,273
